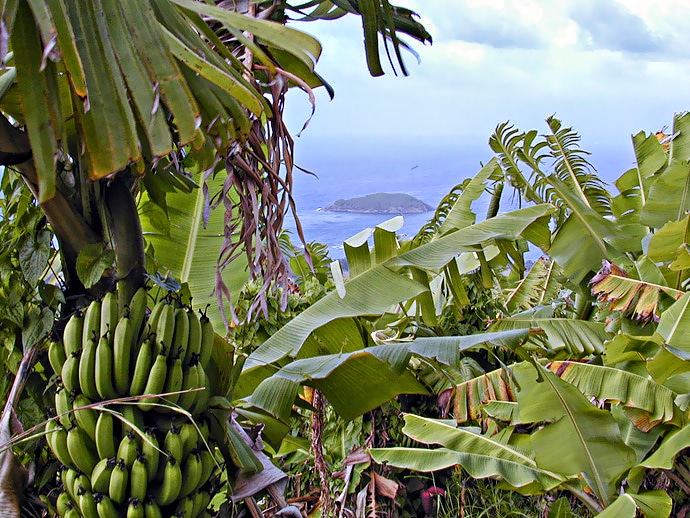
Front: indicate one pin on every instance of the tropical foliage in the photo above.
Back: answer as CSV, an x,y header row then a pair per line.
x,y
153,112
575,381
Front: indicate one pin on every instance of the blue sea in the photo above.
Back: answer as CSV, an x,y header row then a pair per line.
x,y
425,170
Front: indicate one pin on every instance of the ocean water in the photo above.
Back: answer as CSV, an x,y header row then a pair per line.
x,y
422,170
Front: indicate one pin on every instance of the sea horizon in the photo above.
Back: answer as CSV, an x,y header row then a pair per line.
x,y
426,172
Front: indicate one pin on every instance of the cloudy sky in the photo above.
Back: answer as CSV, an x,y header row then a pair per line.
x,y
609,68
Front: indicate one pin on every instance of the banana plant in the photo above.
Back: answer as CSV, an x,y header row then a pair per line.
x,y
635,341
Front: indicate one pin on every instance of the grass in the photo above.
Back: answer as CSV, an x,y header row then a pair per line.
x,y
469,498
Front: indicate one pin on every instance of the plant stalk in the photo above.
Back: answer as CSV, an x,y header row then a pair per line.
x,y
590,502
127,238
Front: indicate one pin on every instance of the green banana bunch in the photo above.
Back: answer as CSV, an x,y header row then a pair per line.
x,y
139,458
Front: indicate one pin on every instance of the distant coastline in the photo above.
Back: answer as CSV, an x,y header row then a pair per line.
x,y
380,203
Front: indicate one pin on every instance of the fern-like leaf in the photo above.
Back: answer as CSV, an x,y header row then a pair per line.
x,y
629,296
535,288
571,167
431,228
508,143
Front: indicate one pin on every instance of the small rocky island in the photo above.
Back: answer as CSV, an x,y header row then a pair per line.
x,y
381,203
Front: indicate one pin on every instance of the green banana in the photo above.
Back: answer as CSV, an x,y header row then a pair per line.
x,y
63,407
82,450
119,479
72,334
110,313
173,443
142,367
128,449
151,451
122,344
70,372
208,466
151,509
207,338
165,329
202,499
103,368
184,508
135,508
194,342
86,417
57,440
189,436
87,503
133,419
68,476
137,312
173,382
105,506
100,476
170,487
138,478
72,511
154,317
92,323
61,505
180,338
201,403
87,370
192,470
190,381
156,381
56,356
105,435
81,481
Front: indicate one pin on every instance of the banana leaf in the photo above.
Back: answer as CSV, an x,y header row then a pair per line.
x,y
664,455
189,249
353,382
378,288
652,504
535,288
482,456
562,336
674,327
669,199
578,438
652,403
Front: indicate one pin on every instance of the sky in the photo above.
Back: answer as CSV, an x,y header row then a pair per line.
x,y
608,68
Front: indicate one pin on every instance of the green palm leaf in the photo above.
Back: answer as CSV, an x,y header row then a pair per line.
x,y
376,289
144,48
379,18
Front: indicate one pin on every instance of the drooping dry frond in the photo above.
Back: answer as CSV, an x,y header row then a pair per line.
x,y
257,196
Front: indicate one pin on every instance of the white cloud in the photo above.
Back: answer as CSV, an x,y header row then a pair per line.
x,y
608,68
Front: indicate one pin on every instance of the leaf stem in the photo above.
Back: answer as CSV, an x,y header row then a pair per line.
x,y
590,502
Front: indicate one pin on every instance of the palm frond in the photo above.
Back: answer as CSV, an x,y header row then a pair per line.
x,y
570,165
431,227
513,146
379,18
